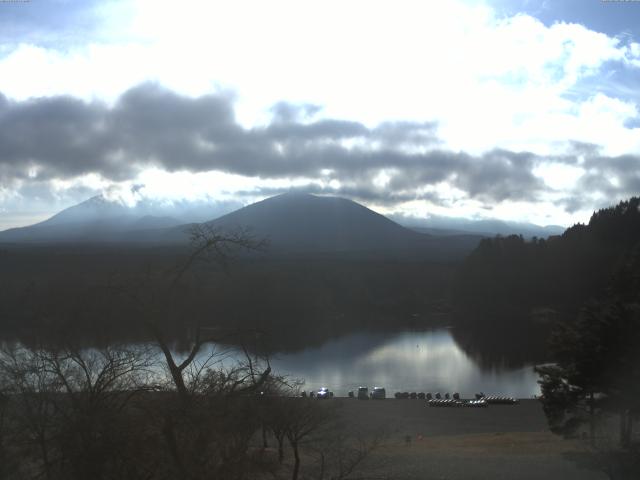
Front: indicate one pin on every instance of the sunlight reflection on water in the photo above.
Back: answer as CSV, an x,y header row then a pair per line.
x,y
418,361
408,361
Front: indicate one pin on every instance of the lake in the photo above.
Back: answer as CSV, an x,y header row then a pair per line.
x,y
420,361
411,361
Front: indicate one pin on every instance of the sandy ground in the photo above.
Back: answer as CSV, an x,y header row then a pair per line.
x,y
498,442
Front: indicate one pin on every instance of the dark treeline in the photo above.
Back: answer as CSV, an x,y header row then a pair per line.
x,y
511,285
579,296
592,388
93,294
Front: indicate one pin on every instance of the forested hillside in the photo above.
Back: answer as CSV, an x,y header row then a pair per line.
x,y
294,301
508,280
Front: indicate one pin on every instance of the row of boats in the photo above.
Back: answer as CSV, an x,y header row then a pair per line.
x,y
481,401
455,397
433,399
438,400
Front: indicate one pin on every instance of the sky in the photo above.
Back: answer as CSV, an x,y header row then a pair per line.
x,y
523,110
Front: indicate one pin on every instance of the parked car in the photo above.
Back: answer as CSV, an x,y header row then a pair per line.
x,y
363,393
378,393
324,393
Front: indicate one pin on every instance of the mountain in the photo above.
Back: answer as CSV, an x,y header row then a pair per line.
x,y
439,225
93,209
101,220
303,223
293,223
153,222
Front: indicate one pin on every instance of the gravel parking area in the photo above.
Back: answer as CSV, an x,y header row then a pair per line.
x,y
498,442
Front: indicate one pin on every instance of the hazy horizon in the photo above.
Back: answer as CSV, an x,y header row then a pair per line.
x,y
206,210
506,109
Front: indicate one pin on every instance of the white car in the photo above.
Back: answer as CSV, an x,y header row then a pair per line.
x,y
324,393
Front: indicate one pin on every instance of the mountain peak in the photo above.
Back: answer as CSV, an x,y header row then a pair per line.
x,y
296,221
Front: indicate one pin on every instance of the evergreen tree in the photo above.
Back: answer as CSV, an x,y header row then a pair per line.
x,y
597,356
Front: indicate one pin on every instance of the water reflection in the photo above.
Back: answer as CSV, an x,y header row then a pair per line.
x,y
407,361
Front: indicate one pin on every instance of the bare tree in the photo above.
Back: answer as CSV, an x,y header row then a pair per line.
x,y
206,430
6,465
69,408
210,247
340,455
275,411
306,417
30,389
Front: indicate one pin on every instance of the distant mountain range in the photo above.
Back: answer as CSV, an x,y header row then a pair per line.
x,y
100,220
292,223
438,225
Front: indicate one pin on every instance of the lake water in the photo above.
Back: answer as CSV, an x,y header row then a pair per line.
x,y
411,361
424,361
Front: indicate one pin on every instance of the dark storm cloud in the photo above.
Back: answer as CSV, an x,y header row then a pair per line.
x,y
60,137
502,175
63,137
575,203
613,176
495,176
321,129
612,179
398,133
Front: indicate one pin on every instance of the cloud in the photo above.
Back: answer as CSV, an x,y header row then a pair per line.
x,y
458,64
465,102
613,177
57,137
61,138
605,181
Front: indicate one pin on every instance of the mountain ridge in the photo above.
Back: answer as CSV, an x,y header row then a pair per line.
x,y
186,212
293,223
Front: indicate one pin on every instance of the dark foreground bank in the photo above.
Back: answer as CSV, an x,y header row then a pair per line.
x,y
498,442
